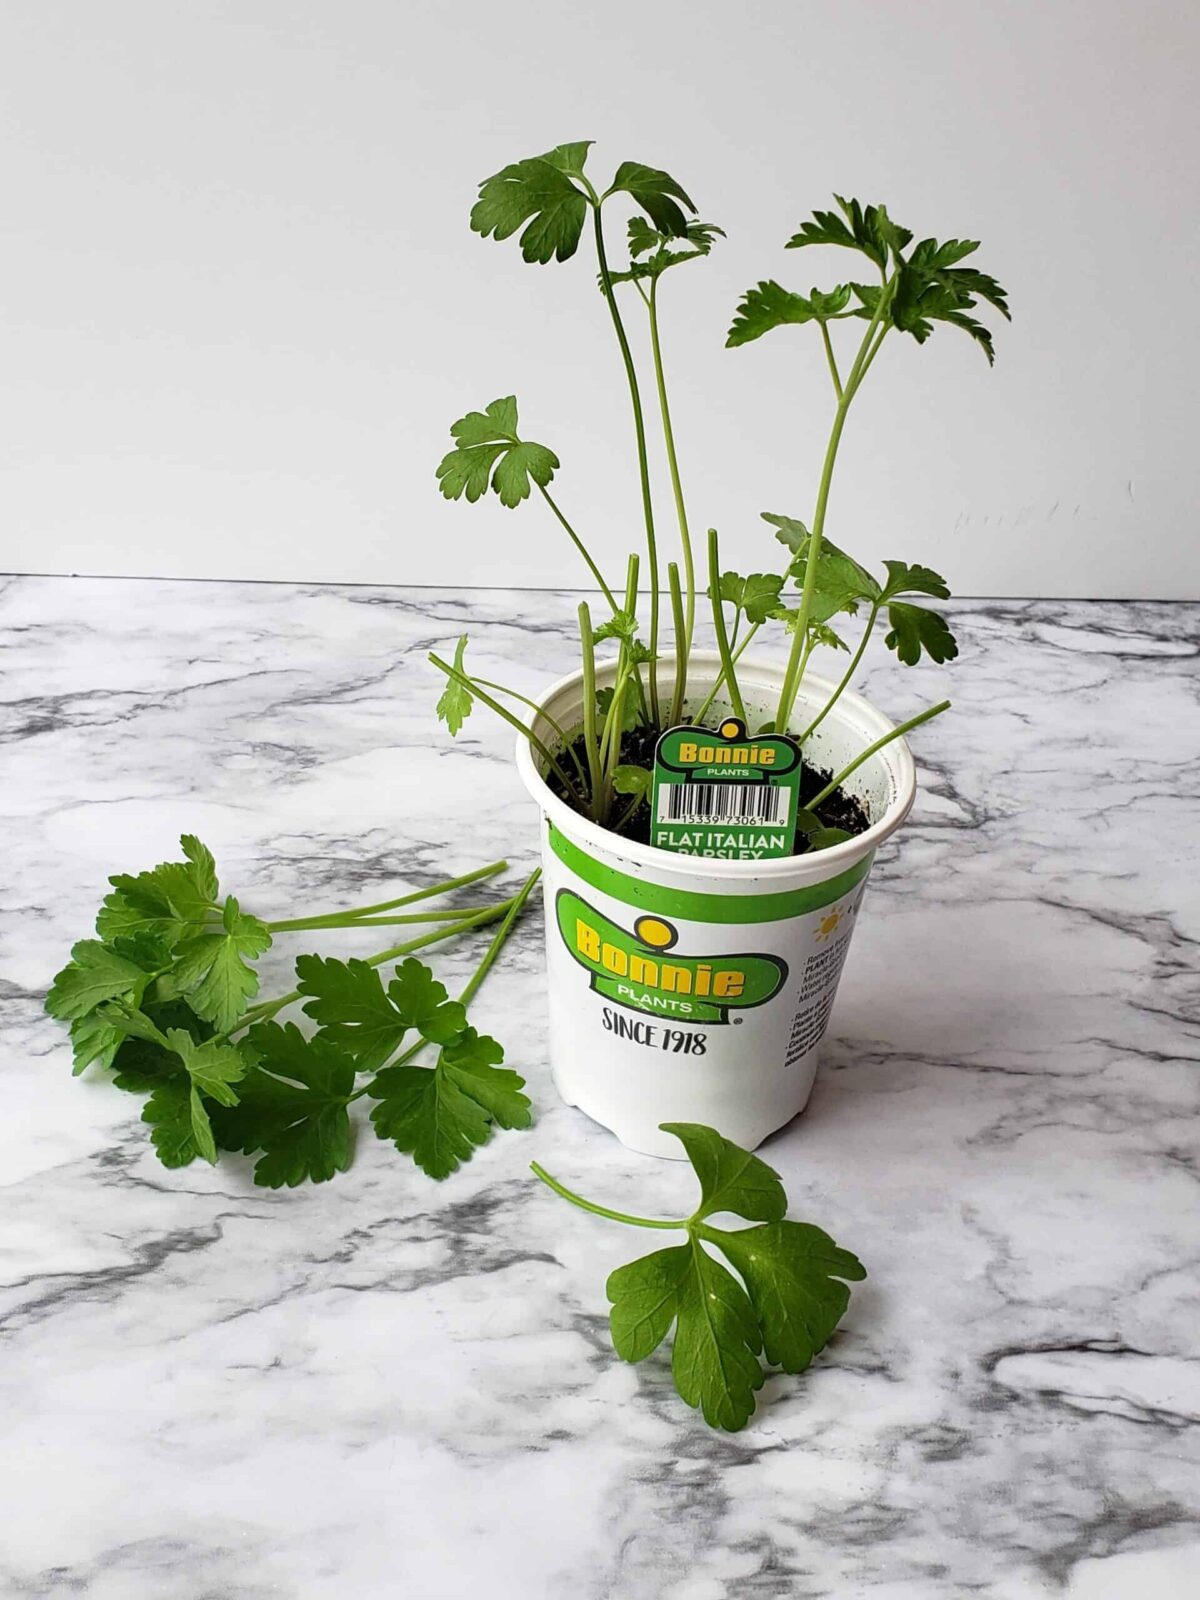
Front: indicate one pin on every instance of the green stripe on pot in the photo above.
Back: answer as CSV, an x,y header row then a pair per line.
x,y
697,907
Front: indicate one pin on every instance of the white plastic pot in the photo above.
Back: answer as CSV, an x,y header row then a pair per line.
x,y
685,989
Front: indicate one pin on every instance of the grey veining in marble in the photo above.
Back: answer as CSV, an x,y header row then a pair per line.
x,y
388,1387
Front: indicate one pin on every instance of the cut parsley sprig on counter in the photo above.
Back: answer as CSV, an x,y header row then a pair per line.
x,y
163,998
783,1299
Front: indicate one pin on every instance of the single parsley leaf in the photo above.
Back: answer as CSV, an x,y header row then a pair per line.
x,y
659,196
212,969
867,229
770,305
915,629
169,901
349,1003
473,1062
816,834
182,1130
421,1003
456,701
141,1064
930,288
440,1115
94,974
426,1114
488,451
629,779
651,252
213,1066
538,196
93,1039
757,595
903,579
714,1358
292,1107
792,1272
621,625
180,1072
731,1179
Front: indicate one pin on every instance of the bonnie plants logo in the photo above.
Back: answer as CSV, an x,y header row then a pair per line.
x,y
642,968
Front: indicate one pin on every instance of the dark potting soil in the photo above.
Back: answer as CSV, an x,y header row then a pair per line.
x,y
840,810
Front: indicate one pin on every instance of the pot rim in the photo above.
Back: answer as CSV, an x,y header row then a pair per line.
x,y
896,757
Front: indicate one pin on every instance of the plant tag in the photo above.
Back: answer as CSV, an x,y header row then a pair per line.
x,y
718,792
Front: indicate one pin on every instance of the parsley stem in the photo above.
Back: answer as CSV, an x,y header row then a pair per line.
x,y
581,547
335,918
639,425
793,671
516,906
502,711
685,537
831,358
682,642
591,747
601,1211
714,589
846,677
896,733
559,731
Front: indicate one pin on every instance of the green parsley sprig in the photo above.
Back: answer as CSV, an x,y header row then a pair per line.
x,y
164,998
783,1299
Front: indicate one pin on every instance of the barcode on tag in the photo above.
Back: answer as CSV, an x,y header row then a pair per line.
x,y
758,803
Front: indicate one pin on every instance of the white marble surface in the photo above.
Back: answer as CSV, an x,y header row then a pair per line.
x,y
388,1387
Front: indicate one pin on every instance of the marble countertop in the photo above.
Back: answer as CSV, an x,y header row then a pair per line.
x,y
386,1386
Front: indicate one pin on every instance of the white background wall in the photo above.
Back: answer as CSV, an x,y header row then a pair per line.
x,y
242,305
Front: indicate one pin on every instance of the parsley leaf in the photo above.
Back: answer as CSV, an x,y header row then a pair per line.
x,y
538,195
714,1359
731,1179
786,1300
421,1003
916,628
792,1271
456,701
628,779
292,1107
348,1000
869,230
757,595
440,1115
94,974
180,1075
931,287
657,193
651,252
212,969
169,901
488,450
771,306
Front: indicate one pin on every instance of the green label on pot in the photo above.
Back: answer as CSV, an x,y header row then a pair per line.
x,y
718,792
643,970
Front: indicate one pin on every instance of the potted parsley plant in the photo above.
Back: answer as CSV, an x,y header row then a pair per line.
x,y
710,816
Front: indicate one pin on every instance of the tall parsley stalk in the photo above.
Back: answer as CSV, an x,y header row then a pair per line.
x,y
639,427
866,354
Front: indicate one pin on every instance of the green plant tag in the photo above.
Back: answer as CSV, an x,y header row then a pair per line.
x,y
719,792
